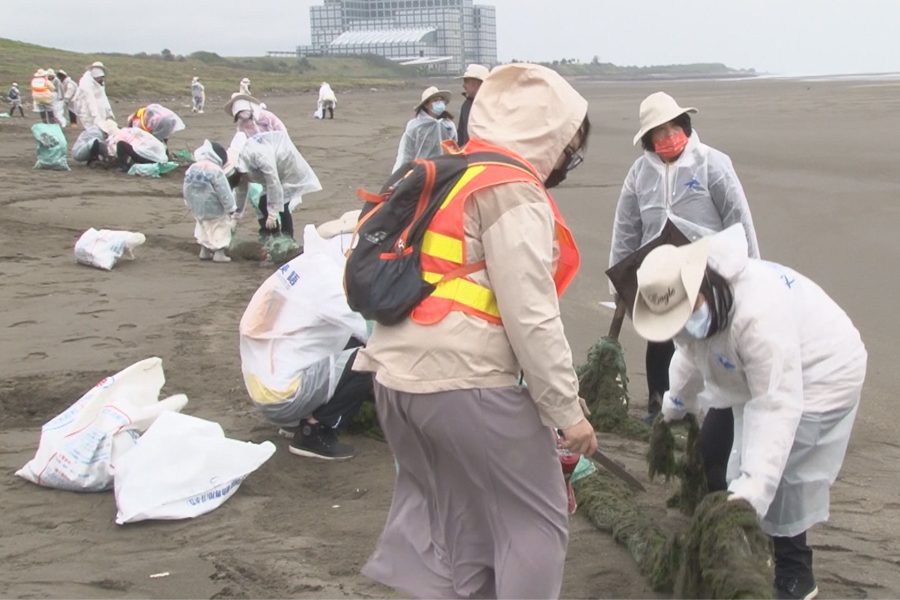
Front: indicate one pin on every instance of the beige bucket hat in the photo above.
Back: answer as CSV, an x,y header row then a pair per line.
x,y
668,283
239,102
433,92
656,109
97,69
475,71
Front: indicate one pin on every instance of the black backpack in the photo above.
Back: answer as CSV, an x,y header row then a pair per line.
x,y
383,276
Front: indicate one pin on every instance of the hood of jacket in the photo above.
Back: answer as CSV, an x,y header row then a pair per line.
x,y
529,109
728,251
206,152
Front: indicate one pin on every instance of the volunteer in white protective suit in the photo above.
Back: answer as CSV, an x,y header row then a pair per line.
x,y
425,132
198,96
770,344
68,89
244,87
327,101
43,95
250,116
91,104
132,145
208,195
681,179
272,159
298,341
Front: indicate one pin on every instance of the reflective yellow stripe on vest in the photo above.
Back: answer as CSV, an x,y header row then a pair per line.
x,y
465,292
468,176
442,246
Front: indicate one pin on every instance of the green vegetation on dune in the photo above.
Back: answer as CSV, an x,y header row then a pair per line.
x,y
164,74
601,70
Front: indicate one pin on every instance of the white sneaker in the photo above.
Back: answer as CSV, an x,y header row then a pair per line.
x,y
219,257
205,253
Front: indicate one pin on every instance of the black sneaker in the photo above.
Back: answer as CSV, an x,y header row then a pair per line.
x,y
319,441
796,588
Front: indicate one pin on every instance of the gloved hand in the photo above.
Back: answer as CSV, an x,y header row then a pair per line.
x,y
272,221
673,408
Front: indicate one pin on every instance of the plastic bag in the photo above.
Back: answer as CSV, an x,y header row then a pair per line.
x,y
297,317
103,248
79,446
51,147
181,468
152,169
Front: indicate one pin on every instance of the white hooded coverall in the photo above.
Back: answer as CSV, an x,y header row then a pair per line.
x,y
423,137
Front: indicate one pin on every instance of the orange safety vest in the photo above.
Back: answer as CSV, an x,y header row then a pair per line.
x,y
443,248
40,85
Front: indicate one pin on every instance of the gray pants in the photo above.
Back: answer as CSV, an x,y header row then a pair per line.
x,y
479,506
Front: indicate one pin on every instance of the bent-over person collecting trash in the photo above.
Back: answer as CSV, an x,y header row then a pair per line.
x,y
208,195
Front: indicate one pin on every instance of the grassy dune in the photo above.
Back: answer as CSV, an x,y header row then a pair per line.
x,y
136,76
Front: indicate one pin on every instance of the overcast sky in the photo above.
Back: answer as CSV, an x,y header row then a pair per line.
x,y
787,37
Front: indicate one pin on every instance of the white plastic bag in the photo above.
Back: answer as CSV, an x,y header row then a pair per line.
x,y
78,447
297,317
103,248
181,468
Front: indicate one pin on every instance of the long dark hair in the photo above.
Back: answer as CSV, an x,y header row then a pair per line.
x,y
720,299
683,120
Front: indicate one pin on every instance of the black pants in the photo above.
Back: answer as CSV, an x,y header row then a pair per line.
x,y
73,118
125,156
352,390
656,360
13,110
287,222
793,558
716,439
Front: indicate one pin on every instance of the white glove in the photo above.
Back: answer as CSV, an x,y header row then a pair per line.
x,y
673,409
272,221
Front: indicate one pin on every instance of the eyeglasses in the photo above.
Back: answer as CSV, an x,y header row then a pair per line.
x,y
573,158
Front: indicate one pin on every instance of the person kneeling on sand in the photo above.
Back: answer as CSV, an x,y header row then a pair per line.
x,y
208,195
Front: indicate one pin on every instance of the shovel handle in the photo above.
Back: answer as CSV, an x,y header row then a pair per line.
x,y
615,327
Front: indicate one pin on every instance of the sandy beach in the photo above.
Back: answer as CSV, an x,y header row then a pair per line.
x,y
818,163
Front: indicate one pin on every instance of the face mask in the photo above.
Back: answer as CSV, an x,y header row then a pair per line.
x,y
671,147
438,107
698,324
556,177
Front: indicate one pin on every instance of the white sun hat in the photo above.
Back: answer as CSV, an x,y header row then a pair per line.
x,y
432,92
475,71
656,109
239,102
668,283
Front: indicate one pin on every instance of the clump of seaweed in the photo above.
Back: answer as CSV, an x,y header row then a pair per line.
x,y
603,383
688,468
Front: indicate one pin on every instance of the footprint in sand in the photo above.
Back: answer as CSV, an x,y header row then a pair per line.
x,y
18,323
127,326
37,355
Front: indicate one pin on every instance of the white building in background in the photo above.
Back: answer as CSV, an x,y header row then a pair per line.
x,y
448,34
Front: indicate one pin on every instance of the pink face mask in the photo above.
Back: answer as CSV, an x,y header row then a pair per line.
x,y
671,147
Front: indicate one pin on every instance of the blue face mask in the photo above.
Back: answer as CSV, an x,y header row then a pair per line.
x,y
438,107
698,324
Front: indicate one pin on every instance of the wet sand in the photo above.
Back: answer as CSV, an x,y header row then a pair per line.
x,y
817,161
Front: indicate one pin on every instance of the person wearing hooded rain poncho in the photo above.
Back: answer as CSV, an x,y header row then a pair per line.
x,y
250,117
768,343
479,506
327,101
681,179
91,103
68,90
425,132
273,160
209,196
157,120
198,96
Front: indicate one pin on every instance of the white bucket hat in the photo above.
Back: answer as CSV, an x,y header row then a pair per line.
x,y
97,69
238,103
668,283
430,93
656,109
475,71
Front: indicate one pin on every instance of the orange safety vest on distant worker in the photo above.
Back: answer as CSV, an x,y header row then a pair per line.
x,y
443,249
137,120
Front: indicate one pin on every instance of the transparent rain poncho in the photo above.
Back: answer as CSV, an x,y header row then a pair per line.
x,y
423,137
158,120
272,160
144,144
206,190
700,193
81,148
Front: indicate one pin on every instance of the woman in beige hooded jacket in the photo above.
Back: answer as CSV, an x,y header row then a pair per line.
x,y
479,505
